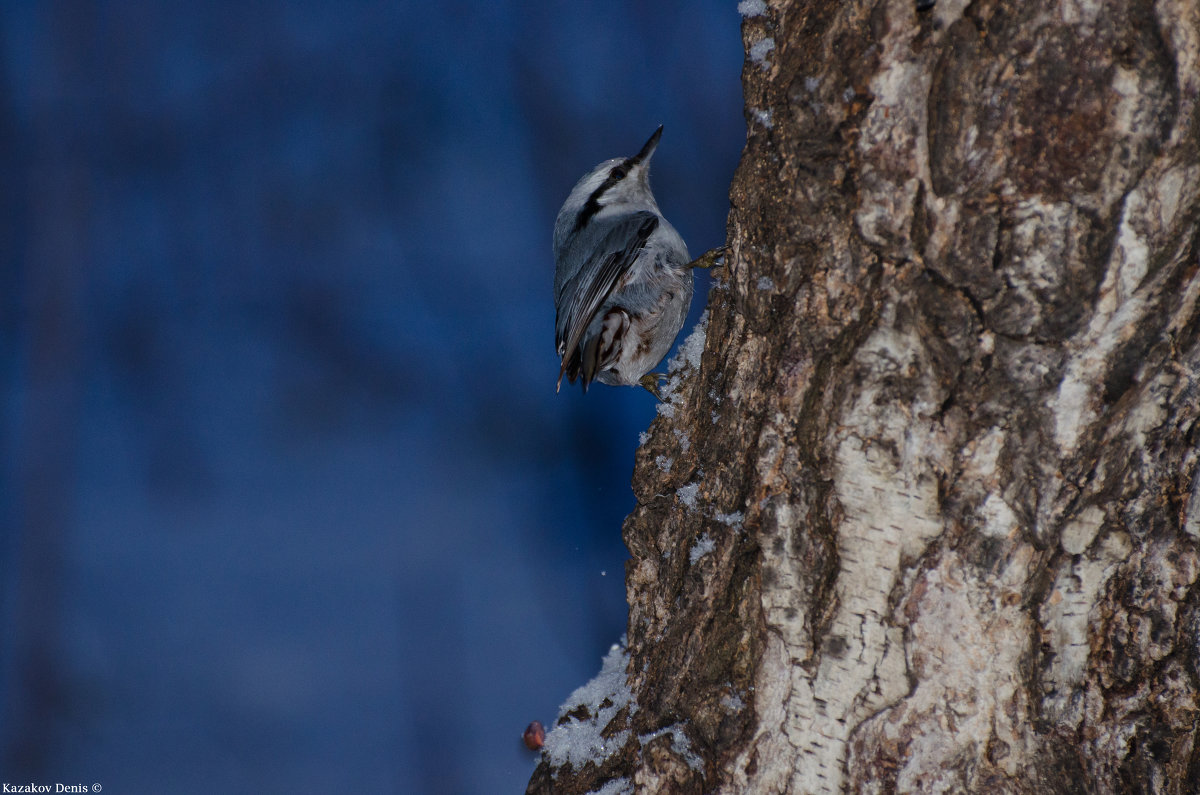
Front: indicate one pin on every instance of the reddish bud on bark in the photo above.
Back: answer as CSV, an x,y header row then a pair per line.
x,y
534,736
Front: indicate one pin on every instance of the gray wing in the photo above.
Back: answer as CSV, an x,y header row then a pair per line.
x,y
583,295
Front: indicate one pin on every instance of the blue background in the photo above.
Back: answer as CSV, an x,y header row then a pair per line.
x,y
288,500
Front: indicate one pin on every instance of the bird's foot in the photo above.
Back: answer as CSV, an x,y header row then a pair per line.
x,y
650,383
709,259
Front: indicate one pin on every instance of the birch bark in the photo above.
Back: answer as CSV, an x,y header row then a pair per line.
x,y
932,513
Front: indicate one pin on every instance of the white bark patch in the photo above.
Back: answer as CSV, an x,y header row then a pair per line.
x,y
1191,522
1075,12
999,520
894,141
1148,413
781,683
1065,615
746,373
1178,28
1177,188
1121,302
965,652
982,455
888,492
893,134
1045,233
1078,533
980,458
948,12
1118,310
946,212
1128,90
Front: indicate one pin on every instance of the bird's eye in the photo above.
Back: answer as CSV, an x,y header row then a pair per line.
x,y
617,173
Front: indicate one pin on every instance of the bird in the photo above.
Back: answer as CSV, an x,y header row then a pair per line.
x,y
622,278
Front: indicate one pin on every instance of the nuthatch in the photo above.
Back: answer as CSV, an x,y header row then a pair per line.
x,y
622,279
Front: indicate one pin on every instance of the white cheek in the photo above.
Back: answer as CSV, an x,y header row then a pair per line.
x,y
617,194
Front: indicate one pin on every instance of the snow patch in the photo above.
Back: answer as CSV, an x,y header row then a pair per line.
x,y
729,519
760,50
692,348
765,283
687,495
686,359
680,744
664,463
616,786
752,8
704,544
763,117
575,741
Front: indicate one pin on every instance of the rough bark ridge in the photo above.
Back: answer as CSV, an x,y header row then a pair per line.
x,y
926,518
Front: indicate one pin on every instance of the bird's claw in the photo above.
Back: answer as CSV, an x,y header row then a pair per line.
x,y
709,259
649,382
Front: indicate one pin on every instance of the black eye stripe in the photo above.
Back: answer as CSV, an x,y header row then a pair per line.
x,y
592,205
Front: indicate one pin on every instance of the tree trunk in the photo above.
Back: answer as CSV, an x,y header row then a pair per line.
x,y
925,518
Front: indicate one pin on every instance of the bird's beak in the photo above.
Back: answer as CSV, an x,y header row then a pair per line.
x,y
647,150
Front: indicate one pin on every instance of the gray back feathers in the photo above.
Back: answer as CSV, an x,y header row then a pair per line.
x,y
609,241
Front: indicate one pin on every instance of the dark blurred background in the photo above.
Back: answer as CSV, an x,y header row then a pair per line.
x,y
288,501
